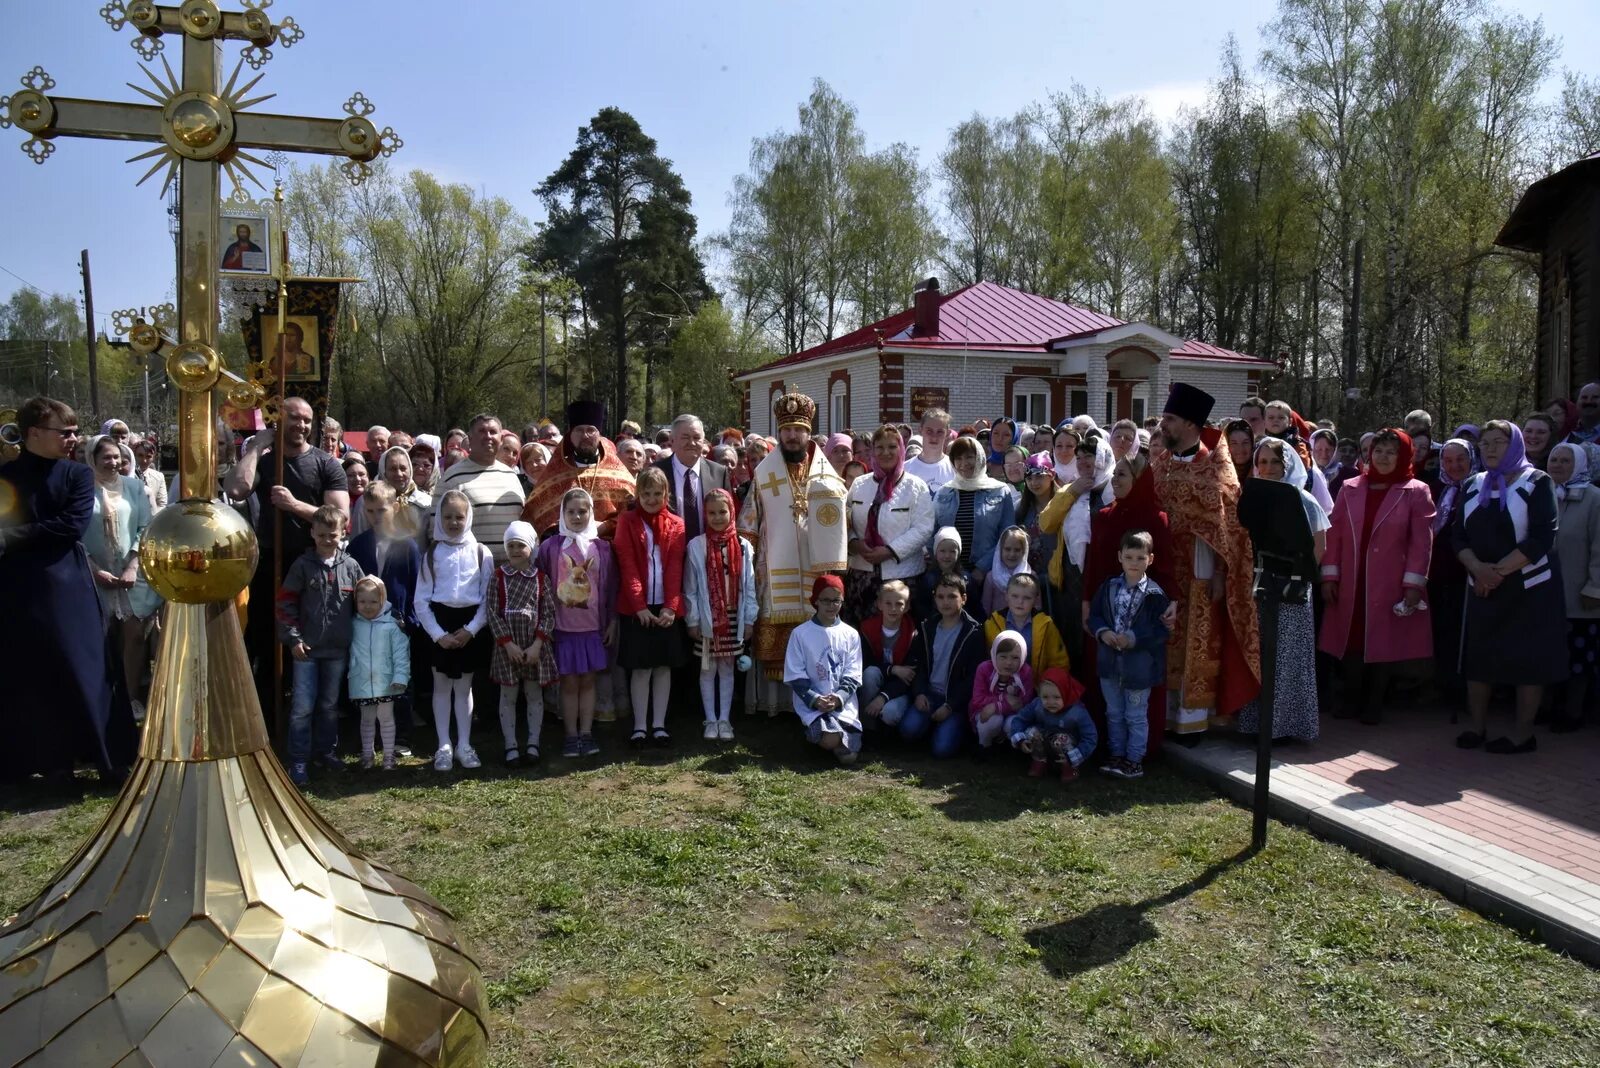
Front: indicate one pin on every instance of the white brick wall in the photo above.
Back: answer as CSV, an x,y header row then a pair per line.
x,y
1227,385
976,383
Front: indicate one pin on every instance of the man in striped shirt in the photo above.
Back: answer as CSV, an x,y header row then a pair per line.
x,y
491,486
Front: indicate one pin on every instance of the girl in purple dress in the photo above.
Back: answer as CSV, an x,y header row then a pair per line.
x,y
577,565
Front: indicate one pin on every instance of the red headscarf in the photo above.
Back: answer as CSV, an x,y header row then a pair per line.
x,y
825,582
888,479
1071,689
1569,418
1403,457
724,566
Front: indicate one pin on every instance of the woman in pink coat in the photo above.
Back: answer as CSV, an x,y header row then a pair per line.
x,y
1375,573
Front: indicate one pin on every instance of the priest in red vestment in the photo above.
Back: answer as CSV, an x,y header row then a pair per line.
x,y
1214,658
587,459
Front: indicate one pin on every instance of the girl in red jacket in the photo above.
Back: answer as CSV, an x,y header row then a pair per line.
x,y
649,547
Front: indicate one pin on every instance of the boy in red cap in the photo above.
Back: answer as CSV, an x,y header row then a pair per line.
x,y
822,665
1055,726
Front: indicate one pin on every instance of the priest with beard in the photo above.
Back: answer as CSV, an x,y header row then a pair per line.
x,y
586,459
1214,654
794,516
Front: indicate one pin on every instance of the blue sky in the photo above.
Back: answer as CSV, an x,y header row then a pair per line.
x,y
492,92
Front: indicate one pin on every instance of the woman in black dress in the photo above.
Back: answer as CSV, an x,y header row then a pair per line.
x,y
1515,634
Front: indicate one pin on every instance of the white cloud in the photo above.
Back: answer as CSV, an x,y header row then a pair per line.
x,y
1165,98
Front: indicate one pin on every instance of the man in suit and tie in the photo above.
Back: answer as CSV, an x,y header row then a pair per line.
x,y
690,476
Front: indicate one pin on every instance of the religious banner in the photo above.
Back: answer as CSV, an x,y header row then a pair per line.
x,y
302,351
925,397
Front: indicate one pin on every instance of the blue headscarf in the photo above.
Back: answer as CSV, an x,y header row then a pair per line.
x,y
998,456
1512,466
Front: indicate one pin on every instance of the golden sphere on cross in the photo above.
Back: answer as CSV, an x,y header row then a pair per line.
x,y
198,552
196,123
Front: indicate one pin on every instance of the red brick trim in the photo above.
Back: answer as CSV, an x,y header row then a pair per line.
x,y
891,387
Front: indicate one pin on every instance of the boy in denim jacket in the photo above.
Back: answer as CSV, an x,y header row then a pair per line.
x,y
1125,619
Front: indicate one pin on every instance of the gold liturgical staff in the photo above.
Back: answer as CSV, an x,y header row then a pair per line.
x,y
214,918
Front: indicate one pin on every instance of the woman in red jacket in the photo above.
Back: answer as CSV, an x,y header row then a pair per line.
x,y
649,547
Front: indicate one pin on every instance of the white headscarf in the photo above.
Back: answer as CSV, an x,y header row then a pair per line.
x,y
998,571
1294,471
518,530
439,536
944,534
1076,527
1574,486
581,538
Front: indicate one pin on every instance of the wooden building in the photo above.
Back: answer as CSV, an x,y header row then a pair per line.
x,y
1559,218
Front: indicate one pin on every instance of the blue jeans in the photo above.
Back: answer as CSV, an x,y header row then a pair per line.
x,y
871,685
947,736
1127,720
316,683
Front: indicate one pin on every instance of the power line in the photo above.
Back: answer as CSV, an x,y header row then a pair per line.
x,y
23,280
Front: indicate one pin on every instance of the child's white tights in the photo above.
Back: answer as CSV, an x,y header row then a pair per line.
x,y
461,689
508,712
379,719
716,689
644,681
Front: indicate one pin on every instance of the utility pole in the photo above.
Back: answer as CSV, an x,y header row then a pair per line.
x,y
544,356
94,361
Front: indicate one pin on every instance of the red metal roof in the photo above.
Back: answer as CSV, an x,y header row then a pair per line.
x,y
995,318
984,315
1200,350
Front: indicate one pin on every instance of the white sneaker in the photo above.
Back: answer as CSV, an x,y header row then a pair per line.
x,y
725,730
710,733
444,759
469,758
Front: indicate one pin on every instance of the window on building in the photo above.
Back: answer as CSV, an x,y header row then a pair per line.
x,y
838,407
1030,401
1080,402
1112,415
1138,415
772,404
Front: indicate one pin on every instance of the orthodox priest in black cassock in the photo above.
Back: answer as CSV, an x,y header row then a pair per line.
x,y
56,692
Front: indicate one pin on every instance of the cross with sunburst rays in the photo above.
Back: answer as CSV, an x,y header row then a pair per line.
x,y
201,129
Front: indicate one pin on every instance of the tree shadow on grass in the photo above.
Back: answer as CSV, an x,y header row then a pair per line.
x,y
1108,932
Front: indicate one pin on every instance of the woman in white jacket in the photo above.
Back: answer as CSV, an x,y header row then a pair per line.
x,y
1578,548
891,519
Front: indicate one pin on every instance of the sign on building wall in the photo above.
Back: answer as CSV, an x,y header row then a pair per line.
x,y
925,397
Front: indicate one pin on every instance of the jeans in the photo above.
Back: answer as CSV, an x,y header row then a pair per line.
x,y
871,685
947,735
316,683
1127,720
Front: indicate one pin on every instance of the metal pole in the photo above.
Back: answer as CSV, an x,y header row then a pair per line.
x,y
88,315
1268,612
544,358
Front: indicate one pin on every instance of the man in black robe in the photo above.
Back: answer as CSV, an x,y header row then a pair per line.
x,y
57,702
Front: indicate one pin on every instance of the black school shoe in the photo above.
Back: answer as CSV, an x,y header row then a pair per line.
x,y
1505,746
1468,740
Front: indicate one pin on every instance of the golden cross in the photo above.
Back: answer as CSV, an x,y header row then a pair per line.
x,y
773,483
200,128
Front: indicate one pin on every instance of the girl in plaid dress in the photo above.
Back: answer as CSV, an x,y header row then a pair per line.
x,y
522,616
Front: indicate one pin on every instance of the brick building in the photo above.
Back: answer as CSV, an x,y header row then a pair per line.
x,y
985,351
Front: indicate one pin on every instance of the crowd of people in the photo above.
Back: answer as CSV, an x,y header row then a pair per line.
x,y
1076,593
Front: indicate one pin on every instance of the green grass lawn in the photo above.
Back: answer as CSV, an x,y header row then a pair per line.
x,y
754,906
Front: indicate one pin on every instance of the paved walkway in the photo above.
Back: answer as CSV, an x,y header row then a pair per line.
x,y
1514,837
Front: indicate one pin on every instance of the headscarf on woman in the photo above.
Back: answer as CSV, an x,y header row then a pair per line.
x,y
432,443
1451,487
1076,528
1404,454
1512,466
1580,470
998,456
888,480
